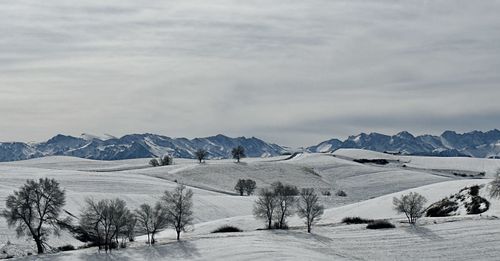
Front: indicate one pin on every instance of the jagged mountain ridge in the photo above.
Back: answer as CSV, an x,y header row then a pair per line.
x,y
471,144
135,146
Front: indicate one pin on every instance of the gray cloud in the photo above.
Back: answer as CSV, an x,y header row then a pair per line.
x,y
292,72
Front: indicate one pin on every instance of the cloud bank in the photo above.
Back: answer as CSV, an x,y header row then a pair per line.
x,y
292,72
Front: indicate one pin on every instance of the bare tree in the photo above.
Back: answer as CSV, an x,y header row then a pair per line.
x,y
179,205
238,153
152,219
265,206
245,185
201,155
250,186
412,205
104,221
495,186
34,209
240,186
286,199
309,207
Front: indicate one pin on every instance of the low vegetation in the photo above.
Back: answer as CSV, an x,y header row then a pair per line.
x,y
163,161
380,224
227,229
467,201
372,161
356,220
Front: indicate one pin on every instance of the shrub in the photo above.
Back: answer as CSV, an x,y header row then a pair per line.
x,y
477,205
356,220
374,161
66,248
341,193
154,163
442,208
474,190
380,224
326,193
227,229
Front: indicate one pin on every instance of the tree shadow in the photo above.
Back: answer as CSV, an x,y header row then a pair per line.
x,y
423,232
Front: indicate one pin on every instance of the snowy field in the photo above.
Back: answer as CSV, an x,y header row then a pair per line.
x,y
370,189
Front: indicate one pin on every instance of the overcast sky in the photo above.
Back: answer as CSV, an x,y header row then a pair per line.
x,y
292,72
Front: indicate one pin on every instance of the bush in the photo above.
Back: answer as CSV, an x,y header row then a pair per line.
x,y
277,225
123,245
227,229
442,208
474,190
66,248
341,193
373,161
356,220
380,224
477,206
326,193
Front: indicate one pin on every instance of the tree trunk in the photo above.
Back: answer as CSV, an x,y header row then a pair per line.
x,y
308,228
39,246
178,234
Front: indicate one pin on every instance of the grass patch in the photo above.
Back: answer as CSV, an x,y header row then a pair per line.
x,y
227,229
380,224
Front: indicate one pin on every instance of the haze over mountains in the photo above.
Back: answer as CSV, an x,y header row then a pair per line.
x,y
471,144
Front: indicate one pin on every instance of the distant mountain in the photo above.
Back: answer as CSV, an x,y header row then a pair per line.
x,y
449,144
135,146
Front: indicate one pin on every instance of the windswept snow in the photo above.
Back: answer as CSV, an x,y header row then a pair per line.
x,y
370,189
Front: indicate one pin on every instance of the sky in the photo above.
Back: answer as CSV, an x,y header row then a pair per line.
x,y
291,72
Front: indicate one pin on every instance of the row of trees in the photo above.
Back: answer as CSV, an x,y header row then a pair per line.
x,y
36,207
281,201
201,155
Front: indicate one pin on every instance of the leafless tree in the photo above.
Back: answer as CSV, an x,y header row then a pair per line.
x,y
104,221
34,209
265,206
201,155
240,186
286,199
412,205
152,219
250,186
179,205
238,153
309,207
495,186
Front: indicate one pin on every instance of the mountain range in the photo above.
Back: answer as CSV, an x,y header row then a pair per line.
x,y
135,146
449,144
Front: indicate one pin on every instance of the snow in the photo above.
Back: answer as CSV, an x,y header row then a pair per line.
x,y
490,166
370,190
